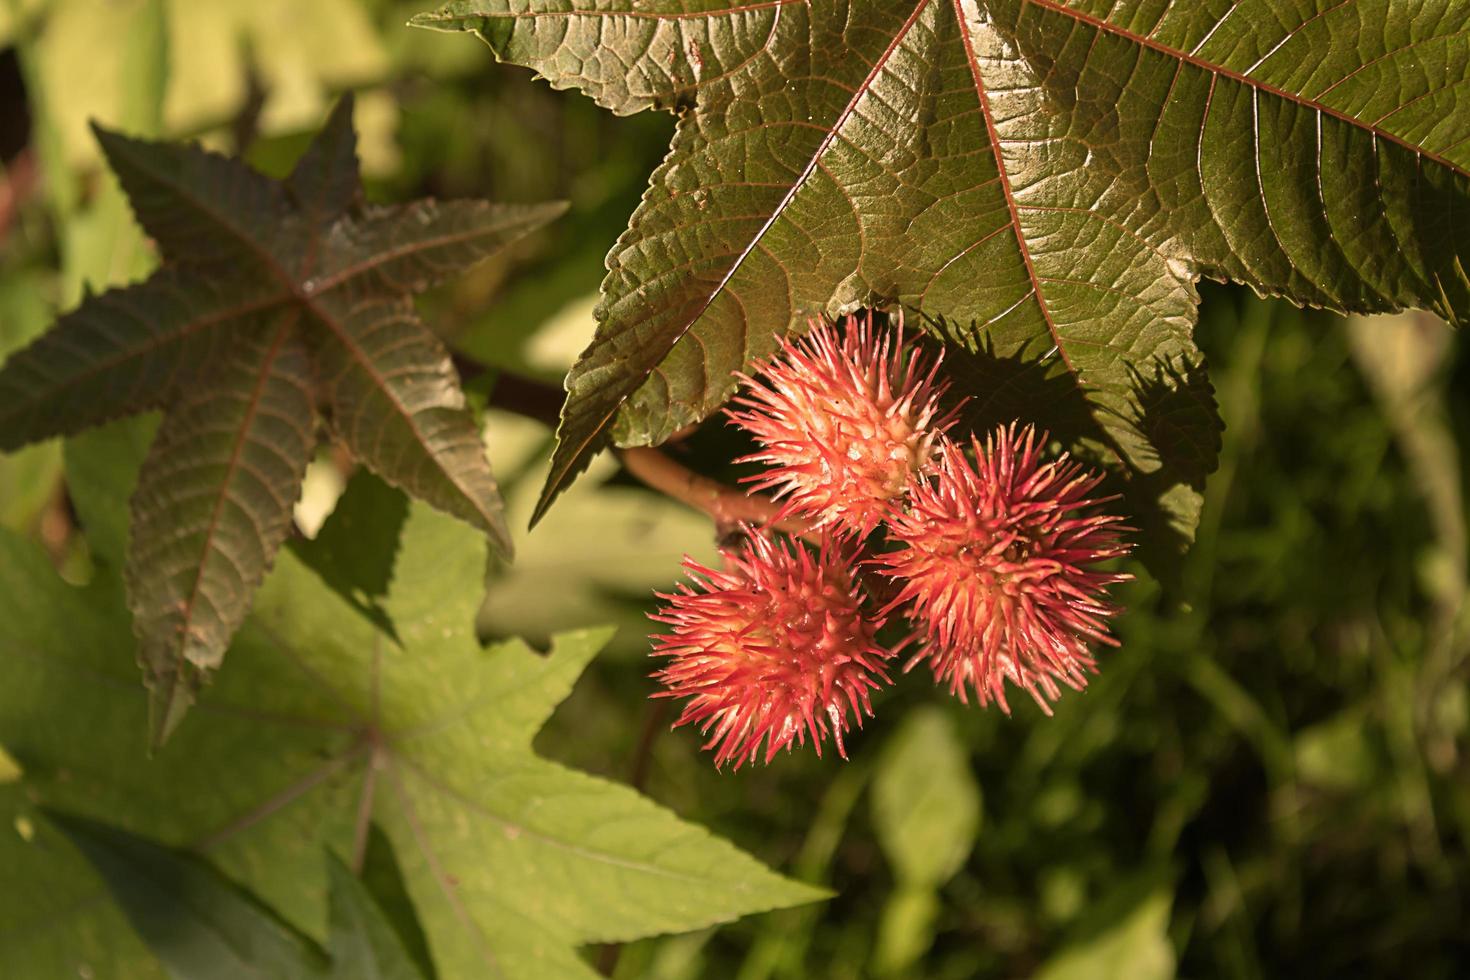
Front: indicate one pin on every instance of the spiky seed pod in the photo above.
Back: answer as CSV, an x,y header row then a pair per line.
x,y
995,563
845,421
775,647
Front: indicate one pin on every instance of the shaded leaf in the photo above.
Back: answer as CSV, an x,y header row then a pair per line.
x,y
200,924
326,181
356,546
121,352
383,879
197,205
303,297
394,399
411,247
511,860
197,922
1057,172
364,944
213,504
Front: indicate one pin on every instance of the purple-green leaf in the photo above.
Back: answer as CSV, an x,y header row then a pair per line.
x,y
274,299
1051,177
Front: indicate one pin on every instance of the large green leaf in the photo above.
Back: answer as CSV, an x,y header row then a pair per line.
x,y
1051,175
275,298
319,727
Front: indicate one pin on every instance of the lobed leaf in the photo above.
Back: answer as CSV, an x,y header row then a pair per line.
x,y
199,206
1055,173
275,298
511,860
326,182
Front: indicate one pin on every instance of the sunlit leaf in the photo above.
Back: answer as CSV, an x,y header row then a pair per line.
x,y
1050,176
319,727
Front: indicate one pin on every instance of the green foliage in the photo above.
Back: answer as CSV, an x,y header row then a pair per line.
x,y
275,298
1051,176
196,921
319,726
1267,779
200,924
1134,946
926,812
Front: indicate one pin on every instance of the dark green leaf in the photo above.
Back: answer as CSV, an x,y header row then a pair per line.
x,y
410,247
199,206
325,182
355,549
1056,174
274,299
363,943
383,879
198,923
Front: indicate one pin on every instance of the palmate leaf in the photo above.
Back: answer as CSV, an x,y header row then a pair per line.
x,y
321,728
275,300
1051,175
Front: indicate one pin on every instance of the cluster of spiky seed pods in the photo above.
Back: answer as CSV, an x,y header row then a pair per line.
x,y
986,548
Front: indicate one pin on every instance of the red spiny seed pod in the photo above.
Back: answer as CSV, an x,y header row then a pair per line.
x,y
776,647
995,568
846,420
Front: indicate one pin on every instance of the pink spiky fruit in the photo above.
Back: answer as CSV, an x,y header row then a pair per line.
x,y
996,567
846,420
774,648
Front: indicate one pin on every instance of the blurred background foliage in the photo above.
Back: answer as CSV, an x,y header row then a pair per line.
x,y
1269,778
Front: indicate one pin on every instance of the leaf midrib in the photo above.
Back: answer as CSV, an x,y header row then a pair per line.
x,y
993,138
306,298
267,370
433,18
558,477
191,327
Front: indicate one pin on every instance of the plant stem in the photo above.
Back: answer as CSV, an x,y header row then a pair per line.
x,y
728,506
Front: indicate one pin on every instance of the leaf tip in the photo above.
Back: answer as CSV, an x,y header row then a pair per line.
x,y
170,697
